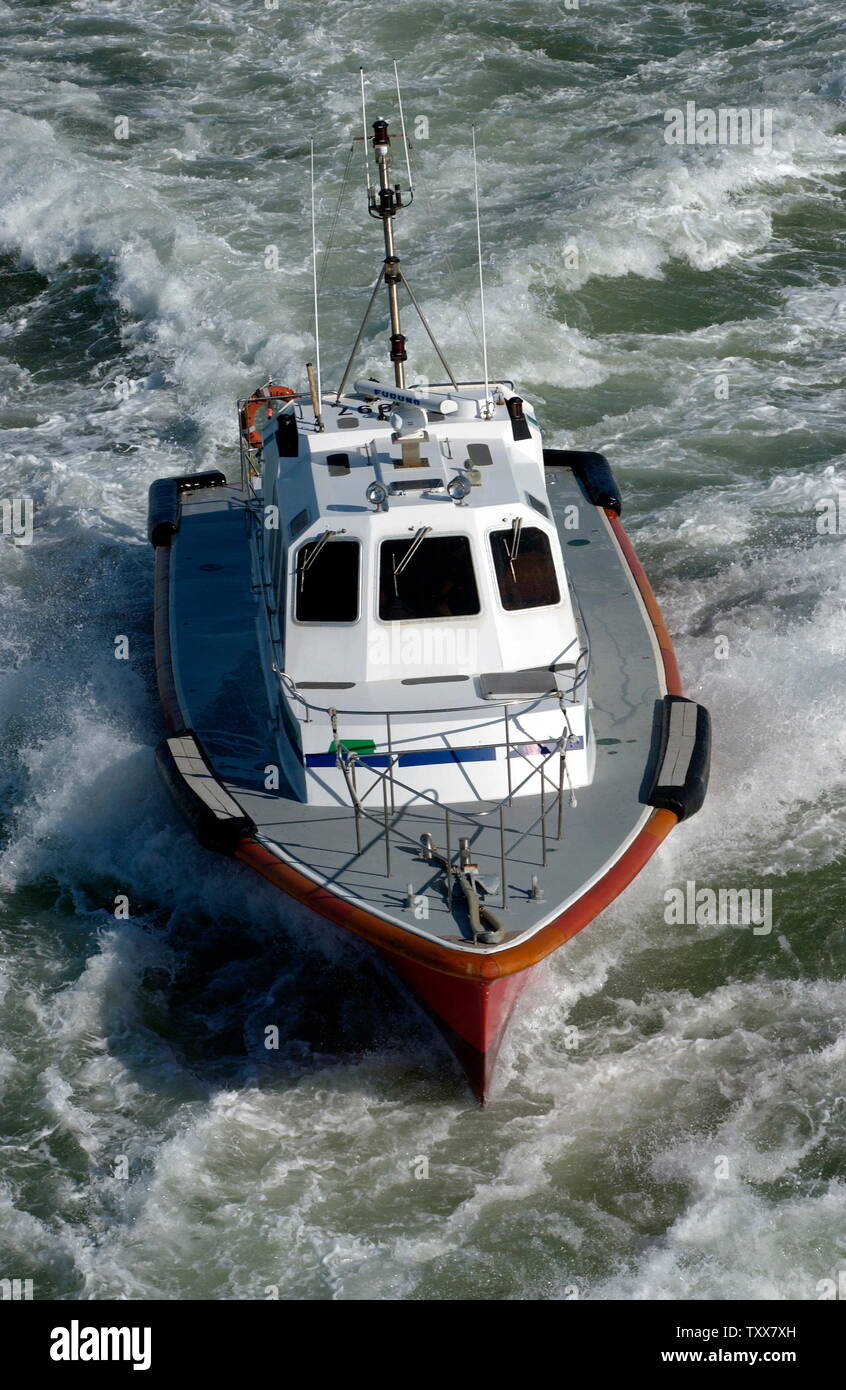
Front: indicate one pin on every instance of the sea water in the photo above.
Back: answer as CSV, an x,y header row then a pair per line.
x,y
669,1114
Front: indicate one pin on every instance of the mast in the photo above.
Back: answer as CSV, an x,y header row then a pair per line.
x,y
384,203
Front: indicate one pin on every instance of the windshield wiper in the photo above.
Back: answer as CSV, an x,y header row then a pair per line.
x,y
511,551
415,545
313,554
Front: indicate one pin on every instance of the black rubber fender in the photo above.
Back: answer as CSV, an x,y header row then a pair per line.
x,y
593,472
214,816
163,502
684,757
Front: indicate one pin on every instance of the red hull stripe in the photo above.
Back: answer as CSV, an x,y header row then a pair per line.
x,y
403,946
472,1017
475,1012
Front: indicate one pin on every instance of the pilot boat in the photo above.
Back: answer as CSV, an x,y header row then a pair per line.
x,y
413,674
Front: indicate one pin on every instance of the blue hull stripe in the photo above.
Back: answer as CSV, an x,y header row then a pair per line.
x,y
431,756
422,759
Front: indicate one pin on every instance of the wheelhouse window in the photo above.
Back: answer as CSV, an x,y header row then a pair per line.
x,y
427,577
327,581
524,568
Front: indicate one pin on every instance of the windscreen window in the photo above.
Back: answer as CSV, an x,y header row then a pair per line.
x,y
524,568
327,581
427,577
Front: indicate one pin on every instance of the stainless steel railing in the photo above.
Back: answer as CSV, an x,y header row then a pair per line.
x,y
250,466
386,781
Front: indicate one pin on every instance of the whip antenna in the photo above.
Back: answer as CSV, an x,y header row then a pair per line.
x,y
364,134
481,278
316,396
402,128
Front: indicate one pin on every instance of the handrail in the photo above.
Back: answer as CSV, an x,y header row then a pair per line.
x,y
579,677
346,760
350,758
248,468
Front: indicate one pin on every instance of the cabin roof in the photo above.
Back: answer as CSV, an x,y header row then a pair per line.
x,y
342,460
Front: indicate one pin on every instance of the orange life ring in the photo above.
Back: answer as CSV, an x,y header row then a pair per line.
x,y
263,396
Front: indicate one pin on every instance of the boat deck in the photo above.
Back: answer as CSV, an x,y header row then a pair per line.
x,y
215,612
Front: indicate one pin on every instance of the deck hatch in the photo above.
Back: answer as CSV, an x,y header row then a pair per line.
x,y
517,685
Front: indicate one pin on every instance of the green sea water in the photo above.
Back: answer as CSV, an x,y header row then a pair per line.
x,y
680,308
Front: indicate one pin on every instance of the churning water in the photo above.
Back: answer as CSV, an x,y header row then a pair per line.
x,y
681,308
